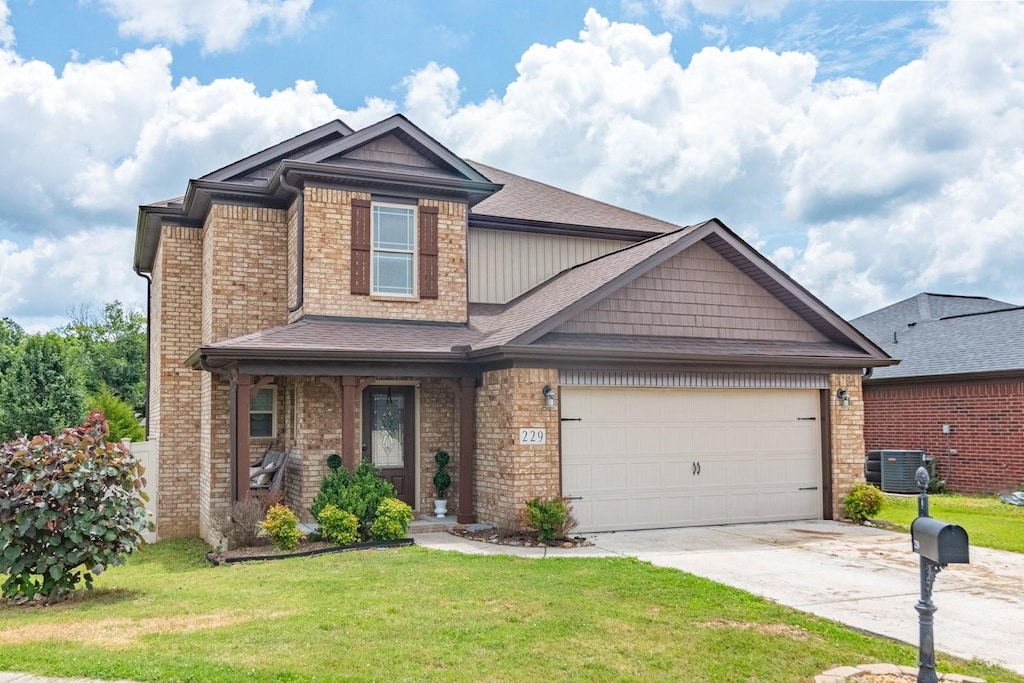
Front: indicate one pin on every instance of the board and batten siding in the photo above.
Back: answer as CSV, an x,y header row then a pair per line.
x,y
503,265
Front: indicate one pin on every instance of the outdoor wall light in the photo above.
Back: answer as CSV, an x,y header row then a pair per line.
x,y
844,397
549,395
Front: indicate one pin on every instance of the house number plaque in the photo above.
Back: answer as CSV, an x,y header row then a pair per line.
x,y
532,436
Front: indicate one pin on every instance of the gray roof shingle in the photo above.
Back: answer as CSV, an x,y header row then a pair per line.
x,y
879,325
530,200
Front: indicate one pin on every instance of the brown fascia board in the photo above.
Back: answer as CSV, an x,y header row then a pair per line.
x,y
582,357
400,124
584,302
224,356
280,150
842,331
418,185
548,228
946,379
147,233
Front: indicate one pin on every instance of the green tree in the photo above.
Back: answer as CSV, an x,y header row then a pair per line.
x,y
42,390
11,336
111,349
120,416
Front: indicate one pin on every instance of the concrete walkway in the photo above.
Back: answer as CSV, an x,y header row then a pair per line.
x,y
863,577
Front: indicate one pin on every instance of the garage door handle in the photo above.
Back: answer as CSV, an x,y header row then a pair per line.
x,y
695,468
808,488
572,419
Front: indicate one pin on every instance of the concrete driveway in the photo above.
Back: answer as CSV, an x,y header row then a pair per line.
x,y
859,576
863,577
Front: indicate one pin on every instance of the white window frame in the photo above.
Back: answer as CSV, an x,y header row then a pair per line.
x,y
413,252
273,413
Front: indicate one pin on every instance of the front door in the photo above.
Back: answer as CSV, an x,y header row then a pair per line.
x,y
389,442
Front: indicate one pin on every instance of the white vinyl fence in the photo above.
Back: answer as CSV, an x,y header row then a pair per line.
x,y
146,452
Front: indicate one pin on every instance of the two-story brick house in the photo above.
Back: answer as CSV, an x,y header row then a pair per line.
x,y
372,294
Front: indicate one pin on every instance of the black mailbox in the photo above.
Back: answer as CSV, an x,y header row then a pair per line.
x,y
941,542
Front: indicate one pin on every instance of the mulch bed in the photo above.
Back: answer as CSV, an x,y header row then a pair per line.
x,y
266,551
524,538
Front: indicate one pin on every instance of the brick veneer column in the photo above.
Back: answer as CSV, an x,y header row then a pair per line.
x,y
847,427
467,459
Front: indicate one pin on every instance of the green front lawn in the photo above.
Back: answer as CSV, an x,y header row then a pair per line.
x,y
988,522
415,614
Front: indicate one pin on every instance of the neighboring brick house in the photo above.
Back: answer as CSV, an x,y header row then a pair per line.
x,y
372,294
962,365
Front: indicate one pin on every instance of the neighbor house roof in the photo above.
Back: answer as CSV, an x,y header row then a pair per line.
x,y
984,337
879,325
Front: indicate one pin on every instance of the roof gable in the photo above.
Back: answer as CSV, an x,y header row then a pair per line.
x,y
395,141
881,324
696,293
258,167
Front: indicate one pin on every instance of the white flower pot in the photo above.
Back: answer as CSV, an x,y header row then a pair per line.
x,y
440,508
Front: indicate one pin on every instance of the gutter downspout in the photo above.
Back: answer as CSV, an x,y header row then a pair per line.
x,y
300,241
867,374
149,307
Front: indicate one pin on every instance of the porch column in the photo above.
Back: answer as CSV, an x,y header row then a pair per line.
x,y
467,449
240,399
349,436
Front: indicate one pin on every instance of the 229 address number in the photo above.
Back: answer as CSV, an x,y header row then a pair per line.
x,y
533,436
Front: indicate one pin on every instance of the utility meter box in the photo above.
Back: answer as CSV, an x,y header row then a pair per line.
x,y
941,542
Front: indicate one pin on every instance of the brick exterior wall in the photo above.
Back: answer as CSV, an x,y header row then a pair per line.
x,y
439,430
327,236
847,436
174,409
317,434
987,420
507,474
244,289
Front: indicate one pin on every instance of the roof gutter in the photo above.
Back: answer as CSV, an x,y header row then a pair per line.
x,y
300,240
149,308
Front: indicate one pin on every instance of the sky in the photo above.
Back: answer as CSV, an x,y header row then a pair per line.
x,y
873,150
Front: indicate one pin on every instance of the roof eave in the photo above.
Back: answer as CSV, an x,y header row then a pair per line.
x,y
951,377
568,229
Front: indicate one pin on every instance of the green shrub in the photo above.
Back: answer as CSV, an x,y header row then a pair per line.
x,y
334,461
282,526
391,520
551,518
70,505
442,480
338,526
863,501
120,416
241,528
359,493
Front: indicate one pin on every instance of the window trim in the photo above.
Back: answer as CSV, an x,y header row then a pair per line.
x,y
273,413
413,253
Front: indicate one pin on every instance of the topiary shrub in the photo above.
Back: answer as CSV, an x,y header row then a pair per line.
x,y
334,461
442,480
70,506
391,520
338,526
360,493
551,518
282,526
863,501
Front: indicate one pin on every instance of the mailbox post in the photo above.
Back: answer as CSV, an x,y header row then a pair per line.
x,y
938,543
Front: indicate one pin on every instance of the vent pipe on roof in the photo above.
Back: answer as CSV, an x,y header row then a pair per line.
x,y
299,241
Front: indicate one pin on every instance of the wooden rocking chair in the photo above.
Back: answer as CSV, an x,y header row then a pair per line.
x,y
268,476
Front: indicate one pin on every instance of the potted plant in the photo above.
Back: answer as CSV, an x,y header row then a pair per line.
x,y
442,480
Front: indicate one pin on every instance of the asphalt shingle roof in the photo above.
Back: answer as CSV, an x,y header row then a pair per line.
x,y
992,341
530,200
879,325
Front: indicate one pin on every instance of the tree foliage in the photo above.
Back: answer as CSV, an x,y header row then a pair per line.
x,y
120,416
111,349
41,390
70,506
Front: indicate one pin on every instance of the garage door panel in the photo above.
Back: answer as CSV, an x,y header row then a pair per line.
x,y
631,456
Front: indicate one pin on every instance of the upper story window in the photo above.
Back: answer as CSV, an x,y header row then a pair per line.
x,y
393,262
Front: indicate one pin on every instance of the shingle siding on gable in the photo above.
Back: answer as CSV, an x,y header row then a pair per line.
x,y
390,150
694,294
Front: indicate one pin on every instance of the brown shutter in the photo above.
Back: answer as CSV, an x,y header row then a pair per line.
x,y
428,252
360,268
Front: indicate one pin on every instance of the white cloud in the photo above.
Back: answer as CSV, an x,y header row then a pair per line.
x,y
6,31
220,26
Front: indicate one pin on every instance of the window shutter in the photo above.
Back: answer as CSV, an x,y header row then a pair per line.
x,y
360,266
428,252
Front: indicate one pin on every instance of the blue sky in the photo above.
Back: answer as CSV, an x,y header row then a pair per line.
x,y
873,150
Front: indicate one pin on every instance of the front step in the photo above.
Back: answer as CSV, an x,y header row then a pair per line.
x,y
431,525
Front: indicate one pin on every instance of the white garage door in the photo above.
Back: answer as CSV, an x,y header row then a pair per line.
x,y
650,458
